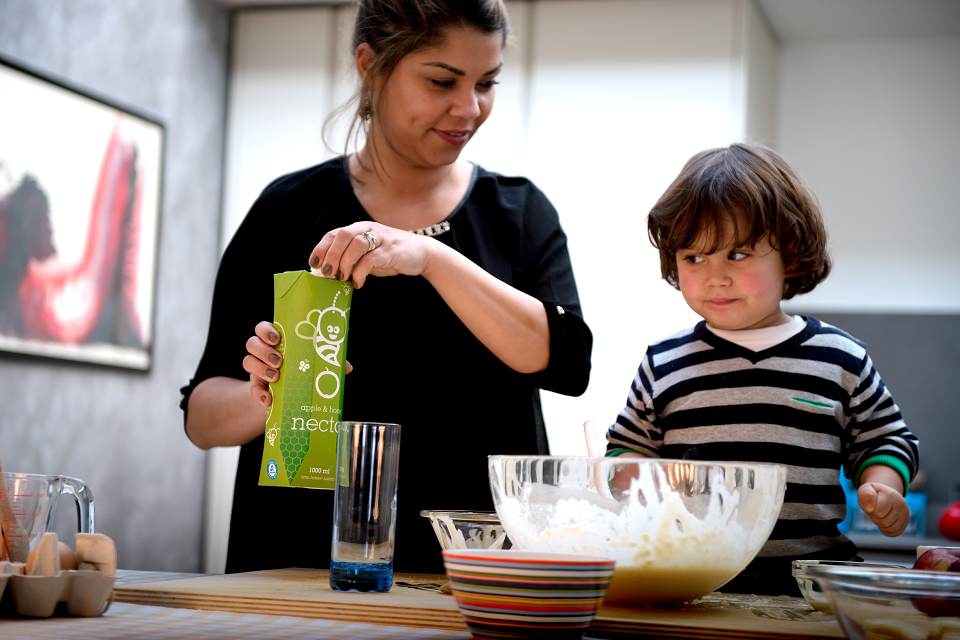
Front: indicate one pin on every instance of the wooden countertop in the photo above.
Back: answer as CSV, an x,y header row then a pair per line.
x,y
415,601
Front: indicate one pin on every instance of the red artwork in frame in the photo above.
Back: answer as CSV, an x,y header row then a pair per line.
x,y
80,184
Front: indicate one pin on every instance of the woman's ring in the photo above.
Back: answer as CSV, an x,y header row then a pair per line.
x,y
371,241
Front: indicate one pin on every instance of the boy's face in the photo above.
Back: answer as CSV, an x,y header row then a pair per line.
x,y
735,288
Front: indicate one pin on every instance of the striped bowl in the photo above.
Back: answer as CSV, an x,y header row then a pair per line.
x,y
525,594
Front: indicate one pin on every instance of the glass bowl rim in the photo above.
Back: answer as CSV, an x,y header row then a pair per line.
x,y
799,567
614,459
479,517
901,583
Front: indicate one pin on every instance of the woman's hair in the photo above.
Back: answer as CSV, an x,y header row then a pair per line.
x,y
397,28
752,188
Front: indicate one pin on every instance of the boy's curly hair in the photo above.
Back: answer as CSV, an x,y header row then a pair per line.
x,y
753,188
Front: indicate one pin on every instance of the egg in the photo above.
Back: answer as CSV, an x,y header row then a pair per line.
x,y
32,560
68,560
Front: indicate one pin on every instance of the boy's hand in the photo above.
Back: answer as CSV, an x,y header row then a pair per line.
x,y
881,497
620,483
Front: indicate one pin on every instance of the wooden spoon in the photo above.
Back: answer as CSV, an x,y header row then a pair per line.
x,y
593,450
14,544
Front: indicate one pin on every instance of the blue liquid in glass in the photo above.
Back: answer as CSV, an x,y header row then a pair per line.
x,y
361,576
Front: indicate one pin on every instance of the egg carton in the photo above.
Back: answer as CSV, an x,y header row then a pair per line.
x,y
84,592
37,588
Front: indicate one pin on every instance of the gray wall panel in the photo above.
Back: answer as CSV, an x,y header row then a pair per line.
x,y
121,431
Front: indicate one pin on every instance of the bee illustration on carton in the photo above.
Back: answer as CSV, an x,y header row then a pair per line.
x,y
327,335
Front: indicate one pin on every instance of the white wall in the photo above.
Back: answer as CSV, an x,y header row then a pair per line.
x,y
281,85
873,125
600,103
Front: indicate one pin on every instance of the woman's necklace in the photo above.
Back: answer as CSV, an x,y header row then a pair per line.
x,y
432,230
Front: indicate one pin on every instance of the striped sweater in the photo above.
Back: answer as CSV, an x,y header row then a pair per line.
x,y
812,403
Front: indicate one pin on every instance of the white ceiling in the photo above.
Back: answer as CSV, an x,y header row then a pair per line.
x,y
811,19
819,19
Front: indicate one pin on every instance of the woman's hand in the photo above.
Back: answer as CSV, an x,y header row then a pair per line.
x,y
263,362
224,411
511,324
345,253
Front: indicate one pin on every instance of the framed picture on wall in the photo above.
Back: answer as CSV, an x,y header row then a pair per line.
x,y
80,180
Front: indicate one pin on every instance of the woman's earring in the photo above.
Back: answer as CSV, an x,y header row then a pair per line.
x,y
365,108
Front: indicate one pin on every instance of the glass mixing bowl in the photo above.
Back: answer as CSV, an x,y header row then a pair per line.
x,y
677,529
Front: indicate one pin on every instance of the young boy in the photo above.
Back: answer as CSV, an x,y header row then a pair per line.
x,y
738,232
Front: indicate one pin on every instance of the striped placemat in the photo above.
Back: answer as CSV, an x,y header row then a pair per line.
x,y
137,622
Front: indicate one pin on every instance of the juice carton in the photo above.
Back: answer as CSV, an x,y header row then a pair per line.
x,y
311,315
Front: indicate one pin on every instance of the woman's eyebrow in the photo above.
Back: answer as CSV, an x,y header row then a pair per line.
x,y
459,72
444,65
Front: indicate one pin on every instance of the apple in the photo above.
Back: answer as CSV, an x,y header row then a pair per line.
x,y
949,523
938,559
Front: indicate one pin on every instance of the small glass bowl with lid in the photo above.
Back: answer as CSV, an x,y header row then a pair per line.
x,y
468,529
872,602
810,588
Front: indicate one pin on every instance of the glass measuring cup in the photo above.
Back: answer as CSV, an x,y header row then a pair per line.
x,y
33,500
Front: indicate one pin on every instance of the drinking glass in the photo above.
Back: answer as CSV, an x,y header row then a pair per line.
x,y
365,506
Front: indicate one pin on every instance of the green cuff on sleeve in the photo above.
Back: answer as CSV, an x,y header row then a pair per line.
x,y
616,452
893,462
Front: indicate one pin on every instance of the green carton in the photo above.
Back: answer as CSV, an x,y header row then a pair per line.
x,y
312,315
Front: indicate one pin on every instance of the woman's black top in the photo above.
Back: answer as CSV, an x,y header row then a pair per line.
x,y
414,362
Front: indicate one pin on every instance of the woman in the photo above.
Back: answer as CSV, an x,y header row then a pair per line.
x,y
463,322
